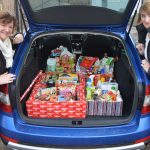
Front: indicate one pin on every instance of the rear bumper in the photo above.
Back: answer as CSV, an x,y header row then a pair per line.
x,y
120,136
26,147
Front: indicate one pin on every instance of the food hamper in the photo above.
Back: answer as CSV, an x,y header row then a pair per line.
x,y
72,87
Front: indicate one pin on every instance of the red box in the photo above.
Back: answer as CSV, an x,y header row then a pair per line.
x,y
37,109
54,109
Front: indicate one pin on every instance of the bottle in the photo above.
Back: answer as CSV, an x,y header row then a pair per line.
x,y
51,64
89,82
50,83
92,79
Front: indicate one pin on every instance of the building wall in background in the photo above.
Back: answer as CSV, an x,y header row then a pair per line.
x,y
7,5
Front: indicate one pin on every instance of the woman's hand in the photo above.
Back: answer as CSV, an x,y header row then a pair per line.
x,y
7,78
140,47
18,38
146,65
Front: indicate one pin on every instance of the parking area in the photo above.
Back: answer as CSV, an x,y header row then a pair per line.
x,y
3,147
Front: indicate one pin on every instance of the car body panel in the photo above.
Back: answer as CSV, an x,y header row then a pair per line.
x,y
57,136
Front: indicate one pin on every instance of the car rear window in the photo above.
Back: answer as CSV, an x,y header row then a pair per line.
x,y
79,12
117,5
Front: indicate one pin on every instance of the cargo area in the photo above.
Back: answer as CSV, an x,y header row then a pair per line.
x,y
77,78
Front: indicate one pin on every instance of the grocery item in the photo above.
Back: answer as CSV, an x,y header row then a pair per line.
x,y
65,92
51,64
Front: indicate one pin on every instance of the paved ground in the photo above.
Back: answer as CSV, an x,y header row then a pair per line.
x,y
3,147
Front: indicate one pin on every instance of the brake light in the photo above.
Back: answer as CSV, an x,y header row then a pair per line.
x,y
146,105
143,140
4,99
8,139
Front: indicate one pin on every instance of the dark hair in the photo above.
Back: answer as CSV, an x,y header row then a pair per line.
x,y
6,17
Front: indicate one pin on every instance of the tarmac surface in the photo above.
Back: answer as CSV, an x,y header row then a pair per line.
x,y
3,147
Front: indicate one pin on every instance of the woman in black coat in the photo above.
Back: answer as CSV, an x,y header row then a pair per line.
x,y
142,32
143,44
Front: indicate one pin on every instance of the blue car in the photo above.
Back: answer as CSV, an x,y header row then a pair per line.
x,y
32,116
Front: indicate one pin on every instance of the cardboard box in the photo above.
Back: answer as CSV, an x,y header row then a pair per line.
x,y
54,109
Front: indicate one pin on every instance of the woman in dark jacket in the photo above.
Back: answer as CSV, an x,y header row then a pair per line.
x,y
143,44
142,32
140,45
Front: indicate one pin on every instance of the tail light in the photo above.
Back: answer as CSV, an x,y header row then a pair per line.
x,y
4,99
146,105
8,139
143,140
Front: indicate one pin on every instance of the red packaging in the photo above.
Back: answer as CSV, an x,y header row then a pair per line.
x,y
51,108
88,62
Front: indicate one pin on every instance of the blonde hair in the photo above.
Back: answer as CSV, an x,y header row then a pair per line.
x,y
6,17
145,7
